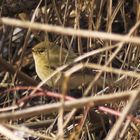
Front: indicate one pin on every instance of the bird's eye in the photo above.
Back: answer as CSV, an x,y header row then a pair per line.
x,y
40,51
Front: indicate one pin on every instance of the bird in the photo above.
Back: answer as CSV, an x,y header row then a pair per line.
x,y
46,56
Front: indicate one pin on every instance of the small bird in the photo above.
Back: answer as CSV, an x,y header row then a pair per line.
x,y
47,55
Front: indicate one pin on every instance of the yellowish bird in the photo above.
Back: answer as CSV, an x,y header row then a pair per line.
x,y
47,55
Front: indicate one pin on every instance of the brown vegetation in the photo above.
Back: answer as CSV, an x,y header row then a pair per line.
x,y
105,35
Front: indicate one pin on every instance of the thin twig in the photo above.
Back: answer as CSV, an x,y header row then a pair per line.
x,y
70,31
68,105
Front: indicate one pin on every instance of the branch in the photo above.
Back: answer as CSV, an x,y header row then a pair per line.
x,y
20,75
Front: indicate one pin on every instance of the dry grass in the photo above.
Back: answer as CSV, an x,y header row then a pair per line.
x,y
105,35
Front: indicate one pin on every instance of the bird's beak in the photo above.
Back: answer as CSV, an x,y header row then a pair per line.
x,y
33,50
